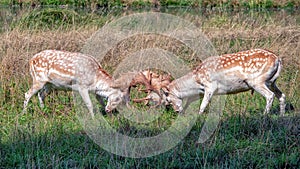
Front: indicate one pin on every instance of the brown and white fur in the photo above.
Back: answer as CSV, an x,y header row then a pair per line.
x,y
72,71
255,69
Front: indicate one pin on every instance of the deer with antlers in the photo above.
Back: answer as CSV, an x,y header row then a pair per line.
x,y
76,71
255,69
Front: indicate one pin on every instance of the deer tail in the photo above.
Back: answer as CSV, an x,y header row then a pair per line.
x,y
278,70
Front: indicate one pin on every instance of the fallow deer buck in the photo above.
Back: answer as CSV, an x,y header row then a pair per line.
x,y
255,69
76,71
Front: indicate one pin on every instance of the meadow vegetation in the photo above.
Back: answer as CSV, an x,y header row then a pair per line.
x,y
52,137
93,4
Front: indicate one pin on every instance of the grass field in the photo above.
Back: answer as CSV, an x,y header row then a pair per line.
x,y
53,137
93,4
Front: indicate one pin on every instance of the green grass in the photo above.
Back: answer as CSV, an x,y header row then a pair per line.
x,y
241,141
54,138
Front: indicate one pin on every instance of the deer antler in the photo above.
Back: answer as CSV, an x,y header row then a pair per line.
x,y
154,83
143,78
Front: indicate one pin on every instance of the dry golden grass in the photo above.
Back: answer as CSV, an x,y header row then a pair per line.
x,y
17,46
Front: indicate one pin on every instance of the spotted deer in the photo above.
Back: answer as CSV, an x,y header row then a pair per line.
x,y
73,71
255,69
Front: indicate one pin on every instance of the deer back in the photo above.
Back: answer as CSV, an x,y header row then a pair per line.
x,y
250,64
64,69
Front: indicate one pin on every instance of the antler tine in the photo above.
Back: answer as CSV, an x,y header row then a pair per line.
x,y
140,78
154,83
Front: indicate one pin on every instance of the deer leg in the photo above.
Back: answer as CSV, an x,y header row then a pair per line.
x,y
32,91
206,99
267,93
42,94
280,96
84,93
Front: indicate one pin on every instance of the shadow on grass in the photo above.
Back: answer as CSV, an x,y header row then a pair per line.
x,y
240,141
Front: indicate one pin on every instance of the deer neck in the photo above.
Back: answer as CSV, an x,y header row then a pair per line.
x,y
103,87
186,86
